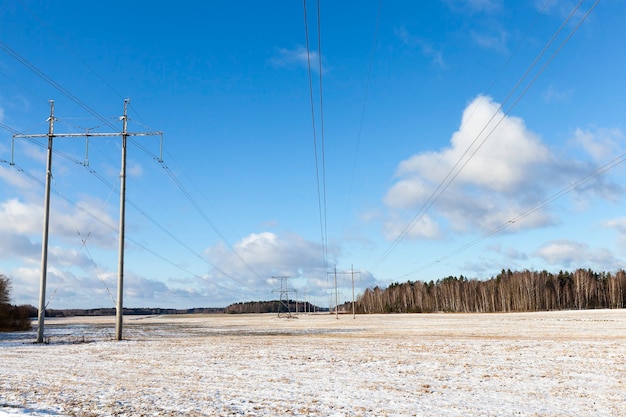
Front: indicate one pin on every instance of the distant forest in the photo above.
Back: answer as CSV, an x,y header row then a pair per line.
x,y
274,306
127,311
507,292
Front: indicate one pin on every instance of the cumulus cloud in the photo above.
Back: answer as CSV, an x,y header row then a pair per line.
x,y
424,227
259,256
492,181
20,217
568,253
493,173
71,288
89,220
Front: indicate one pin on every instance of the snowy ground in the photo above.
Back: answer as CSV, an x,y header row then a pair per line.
x,y
534,364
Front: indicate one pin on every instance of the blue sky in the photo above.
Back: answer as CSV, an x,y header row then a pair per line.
x,y
451,145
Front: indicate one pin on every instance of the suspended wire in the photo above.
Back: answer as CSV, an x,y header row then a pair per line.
x,y
19,58
367,87
460,163
8,128
77,56
319,58
320,200
69,48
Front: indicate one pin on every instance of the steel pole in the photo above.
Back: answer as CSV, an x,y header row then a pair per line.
x,y
119,316
46,224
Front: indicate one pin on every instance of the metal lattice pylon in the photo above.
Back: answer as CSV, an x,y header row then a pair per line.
x,y
284,310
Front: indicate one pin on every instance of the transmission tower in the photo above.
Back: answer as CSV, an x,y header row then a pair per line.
x,y
44,244
284,310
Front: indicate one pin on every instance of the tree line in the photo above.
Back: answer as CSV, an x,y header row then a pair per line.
x,y
129,311
274,306
507,292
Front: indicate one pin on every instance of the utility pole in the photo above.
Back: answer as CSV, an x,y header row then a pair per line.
x,y
353,311
44,257
336,296
119,307
46,223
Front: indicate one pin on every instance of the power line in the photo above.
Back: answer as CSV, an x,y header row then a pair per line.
x,y
321,71
19,58
69,48
321,201
367,86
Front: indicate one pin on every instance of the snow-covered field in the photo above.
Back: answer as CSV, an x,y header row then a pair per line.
x,y
533,364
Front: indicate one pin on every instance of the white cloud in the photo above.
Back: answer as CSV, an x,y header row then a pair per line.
x,y
494,184
619,224
13,178
19,217
67,289
567,253
502,164
68,223
259,256
494,170
425,227
296,57
602,144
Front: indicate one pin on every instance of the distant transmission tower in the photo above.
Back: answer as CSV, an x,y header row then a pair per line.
x,y
284,309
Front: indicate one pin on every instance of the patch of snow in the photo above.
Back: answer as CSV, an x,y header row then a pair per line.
x,y
549,364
